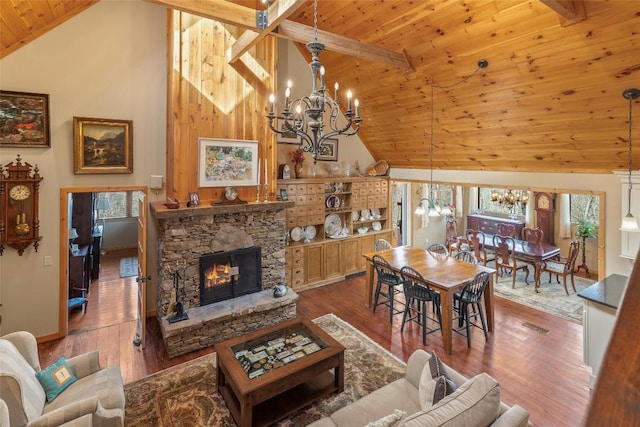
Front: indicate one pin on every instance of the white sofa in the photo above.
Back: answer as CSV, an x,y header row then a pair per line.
x,y
476,402
96,398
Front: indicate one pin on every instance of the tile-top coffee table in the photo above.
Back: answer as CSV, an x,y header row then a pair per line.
x,y
266,375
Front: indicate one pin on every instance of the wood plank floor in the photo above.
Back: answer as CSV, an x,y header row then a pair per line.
x,y
536,357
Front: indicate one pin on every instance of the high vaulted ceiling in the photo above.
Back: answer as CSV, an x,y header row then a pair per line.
x,y
549,101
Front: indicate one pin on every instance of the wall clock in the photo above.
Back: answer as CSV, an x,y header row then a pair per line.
x,y
19,189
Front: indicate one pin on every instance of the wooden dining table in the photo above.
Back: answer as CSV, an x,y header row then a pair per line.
x,y
444,274
535,253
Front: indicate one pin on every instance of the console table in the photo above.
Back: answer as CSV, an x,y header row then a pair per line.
x,y
488,224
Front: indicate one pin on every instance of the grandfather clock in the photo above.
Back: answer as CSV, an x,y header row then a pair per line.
x,y
545,206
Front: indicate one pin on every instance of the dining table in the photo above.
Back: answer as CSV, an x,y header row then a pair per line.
x,y
534,253
443,273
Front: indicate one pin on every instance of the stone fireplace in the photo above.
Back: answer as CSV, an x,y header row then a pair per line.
x,y
187,235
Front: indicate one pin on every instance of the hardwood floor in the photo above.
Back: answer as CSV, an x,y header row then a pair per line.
x,y
536,357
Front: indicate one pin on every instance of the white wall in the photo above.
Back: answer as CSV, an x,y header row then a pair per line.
x,y
120,233
107,62
556,182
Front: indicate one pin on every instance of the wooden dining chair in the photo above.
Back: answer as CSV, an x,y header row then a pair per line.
x,y
471,295
438,250
417,295
506,230
532,235
388,278
506,258
563,266
477,240
451,235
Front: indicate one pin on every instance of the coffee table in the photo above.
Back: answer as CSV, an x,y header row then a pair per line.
x,y
268,374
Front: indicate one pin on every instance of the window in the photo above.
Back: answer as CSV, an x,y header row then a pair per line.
x,y
584,207
117,204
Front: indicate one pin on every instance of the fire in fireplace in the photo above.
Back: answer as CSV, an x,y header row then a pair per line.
x,y
226,275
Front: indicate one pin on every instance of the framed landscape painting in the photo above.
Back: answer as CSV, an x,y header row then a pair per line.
x,y
227,162
102,145
24,119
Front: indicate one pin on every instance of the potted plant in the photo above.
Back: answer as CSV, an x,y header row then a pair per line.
x,y
298,157
585,230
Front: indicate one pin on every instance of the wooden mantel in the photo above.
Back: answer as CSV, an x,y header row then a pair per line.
x,y
160,211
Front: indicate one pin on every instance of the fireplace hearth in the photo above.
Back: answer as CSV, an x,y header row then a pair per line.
x,y
227,275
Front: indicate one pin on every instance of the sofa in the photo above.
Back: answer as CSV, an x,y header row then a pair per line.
x,y
76,392
407,402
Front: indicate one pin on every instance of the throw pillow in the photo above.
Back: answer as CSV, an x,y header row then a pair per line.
x,y
474,403
56,378
435,383
388,420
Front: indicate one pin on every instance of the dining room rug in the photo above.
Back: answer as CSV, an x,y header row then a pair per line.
x,y
186,395
128,267
551,297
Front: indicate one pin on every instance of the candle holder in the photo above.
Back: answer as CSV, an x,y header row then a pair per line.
x,y
258,193
266,193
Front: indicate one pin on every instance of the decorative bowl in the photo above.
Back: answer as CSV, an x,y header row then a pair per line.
x,y
363,230
172,204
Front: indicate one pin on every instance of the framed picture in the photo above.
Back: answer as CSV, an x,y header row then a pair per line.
x,y
24,119
102,145
288,137
194,199
283,194
227,163
328,150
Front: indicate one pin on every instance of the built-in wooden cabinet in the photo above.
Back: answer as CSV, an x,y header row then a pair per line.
x,y
331,255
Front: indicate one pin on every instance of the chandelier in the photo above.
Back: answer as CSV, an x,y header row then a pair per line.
x,y
306,116
629,223
509,199
436,206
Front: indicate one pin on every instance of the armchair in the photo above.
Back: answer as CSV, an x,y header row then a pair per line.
x,y
96,398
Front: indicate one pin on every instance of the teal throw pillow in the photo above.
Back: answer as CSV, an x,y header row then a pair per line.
x,y
56,378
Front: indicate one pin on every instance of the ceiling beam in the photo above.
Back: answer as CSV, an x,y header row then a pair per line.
x,y
573,11
245,17
276,13
218,10
302,33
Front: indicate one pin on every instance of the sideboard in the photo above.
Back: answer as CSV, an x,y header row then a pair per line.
x,y
488,224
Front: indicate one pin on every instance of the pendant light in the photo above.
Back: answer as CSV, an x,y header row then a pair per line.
x,y
629,223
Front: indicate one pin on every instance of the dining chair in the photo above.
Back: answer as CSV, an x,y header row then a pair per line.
x,y
466,256
381,245
391,280
438,249
506,258
563,266
451,231
506,230
417,290
471,295
532,235
477,240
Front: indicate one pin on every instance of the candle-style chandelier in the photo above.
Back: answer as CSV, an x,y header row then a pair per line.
x,y
305,116
510,200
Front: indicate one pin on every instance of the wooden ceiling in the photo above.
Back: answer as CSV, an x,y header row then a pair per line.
x,y
549,101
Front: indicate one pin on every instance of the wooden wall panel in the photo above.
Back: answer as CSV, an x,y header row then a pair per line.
x,y
213,99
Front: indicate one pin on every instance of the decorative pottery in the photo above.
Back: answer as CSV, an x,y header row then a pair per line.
x,y
280,290
298,170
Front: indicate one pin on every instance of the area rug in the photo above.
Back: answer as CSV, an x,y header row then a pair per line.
x,y
551,297
128,267
185,395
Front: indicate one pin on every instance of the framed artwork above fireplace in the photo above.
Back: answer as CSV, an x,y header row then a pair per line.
x,y
227,163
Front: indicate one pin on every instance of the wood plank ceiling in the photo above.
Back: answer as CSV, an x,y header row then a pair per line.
x,y
549,101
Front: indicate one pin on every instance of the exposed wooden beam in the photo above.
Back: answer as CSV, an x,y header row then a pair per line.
x,y
302,33
276,14
572,11
219,10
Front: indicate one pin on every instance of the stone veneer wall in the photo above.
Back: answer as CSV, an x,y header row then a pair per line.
x,y
186,234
